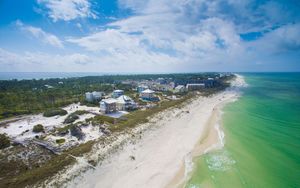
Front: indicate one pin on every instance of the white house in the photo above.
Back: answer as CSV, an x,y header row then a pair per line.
x,y
108,105
149,95
91,96
117,93
142,88
97,95
125,103
179,89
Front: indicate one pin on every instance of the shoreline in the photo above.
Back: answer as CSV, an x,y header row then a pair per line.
x,y
212,138
151,160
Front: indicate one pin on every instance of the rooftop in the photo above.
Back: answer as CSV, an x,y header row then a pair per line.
x,y
179,87
124,99
109,100
195,84
118,90
148,91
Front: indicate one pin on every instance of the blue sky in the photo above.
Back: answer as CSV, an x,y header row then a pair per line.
x,y
149,35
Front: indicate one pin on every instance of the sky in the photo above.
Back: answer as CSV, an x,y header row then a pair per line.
x,y
140,36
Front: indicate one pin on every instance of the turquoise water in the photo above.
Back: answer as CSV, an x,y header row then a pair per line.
x,y
262,137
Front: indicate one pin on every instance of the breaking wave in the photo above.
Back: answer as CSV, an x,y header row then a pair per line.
x,y
220,161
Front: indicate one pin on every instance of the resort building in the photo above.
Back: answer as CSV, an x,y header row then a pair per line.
x,y
125,103
108,105
179,89
89,97
149,95
210,82
193,87
117,93
92,96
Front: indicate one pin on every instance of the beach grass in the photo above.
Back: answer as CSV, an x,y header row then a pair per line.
x,y
40,174
142,116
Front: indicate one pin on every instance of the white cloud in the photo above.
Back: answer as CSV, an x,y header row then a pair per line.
x,y
9,59
81,62
39,61
40,34
123,52
281,40
108,40
165,36
68,9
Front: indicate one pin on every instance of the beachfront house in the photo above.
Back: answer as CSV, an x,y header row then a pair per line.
x,y
193,87
108,105
149,95
117,93
179,89
125,103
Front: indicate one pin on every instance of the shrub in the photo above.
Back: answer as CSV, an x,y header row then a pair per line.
x,y
63,130
71,118
38,128
55,112
60,141
80,112
75,115
4,141
99,119
77,132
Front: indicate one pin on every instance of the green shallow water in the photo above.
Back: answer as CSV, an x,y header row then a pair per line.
x,y
262,137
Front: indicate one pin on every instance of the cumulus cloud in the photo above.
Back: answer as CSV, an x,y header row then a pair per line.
x,y
80,62
40,34
163,33
283,39
108,40
68,9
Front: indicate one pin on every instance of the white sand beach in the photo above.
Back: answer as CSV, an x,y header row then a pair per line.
x,y
163,156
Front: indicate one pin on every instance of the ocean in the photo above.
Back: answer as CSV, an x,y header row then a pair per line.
x,y
262,137
45,75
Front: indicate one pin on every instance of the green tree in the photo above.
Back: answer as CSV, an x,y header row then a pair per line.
x,y
38,128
